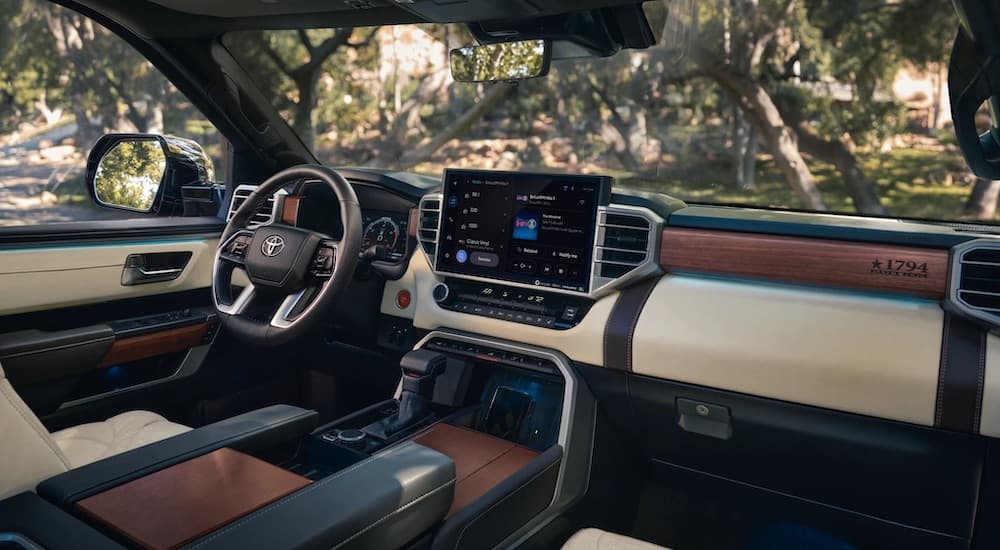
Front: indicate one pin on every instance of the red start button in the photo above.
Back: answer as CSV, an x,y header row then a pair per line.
x,y
403,299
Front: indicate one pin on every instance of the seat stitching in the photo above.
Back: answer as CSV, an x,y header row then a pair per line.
x,y
461,534
296,495
46,438
394,512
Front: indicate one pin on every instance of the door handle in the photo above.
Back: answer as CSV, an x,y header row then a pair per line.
x,y
154,267
155,272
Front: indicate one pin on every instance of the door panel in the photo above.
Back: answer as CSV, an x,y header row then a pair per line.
x,y
877,356
80,321
46,277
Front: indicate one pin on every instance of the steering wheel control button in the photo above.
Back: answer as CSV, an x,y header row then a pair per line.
x,y
323,261
403,299
440,292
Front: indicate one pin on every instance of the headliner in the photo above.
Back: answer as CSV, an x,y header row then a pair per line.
x,y
201,18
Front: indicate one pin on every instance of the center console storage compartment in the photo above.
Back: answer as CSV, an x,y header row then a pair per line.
x,y
384,501
179,504
481,461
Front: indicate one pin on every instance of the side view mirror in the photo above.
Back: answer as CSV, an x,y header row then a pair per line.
x,y
504,61
145,172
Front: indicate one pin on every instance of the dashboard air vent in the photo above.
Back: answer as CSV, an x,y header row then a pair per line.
x,y
625,242
975,279
265,212
427,231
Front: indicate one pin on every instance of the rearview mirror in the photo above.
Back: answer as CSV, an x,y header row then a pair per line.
x,y
505,61
145,172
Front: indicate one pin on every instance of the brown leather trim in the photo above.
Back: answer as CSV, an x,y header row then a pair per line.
x,y
290,210
621,324
960,381
895,269
411,226
481,461
153,344
179,504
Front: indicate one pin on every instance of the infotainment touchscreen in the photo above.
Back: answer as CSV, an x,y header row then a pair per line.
x,y
534,229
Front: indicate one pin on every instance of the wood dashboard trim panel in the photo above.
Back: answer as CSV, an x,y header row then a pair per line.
x,y
153,344
895,269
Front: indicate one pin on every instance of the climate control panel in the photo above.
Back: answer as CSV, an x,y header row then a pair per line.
x,y
517,305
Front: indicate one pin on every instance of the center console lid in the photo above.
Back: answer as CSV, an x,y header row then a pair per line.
x,y
383,501
248,432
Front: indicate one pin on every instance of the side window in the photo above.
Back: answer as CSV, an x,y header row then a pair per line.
x,y
67,81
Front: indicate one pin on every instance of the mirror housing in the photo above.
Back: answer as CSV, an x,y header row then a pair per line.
x,y
146,172
501,61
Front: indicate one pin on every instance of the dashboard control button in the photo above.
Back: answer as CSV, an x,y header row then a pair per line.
x,y
403,299
440,292
569,313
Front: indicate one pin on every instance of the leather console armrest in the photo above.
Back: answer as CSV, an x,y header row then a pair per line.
x,y
29,517
384,501
255,430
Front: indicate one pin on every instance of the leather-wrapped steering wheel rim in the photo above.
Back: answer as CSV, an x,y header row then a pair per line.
x,y
285,260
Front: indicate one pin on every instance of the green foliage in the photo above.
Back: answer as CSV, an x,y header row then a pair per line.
x,y
504,61
53,59
129,175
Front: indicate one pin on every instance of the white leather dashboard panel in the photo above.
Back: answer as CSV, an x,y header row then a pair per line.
x,y
860,354
47,277
583,343
989,423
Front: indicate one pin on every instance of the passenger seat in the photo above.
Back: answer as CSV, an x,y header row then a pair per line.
x,y
595,539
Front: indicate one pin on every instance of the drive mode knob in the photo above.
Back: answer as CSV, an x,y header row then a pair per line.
x,y
440,292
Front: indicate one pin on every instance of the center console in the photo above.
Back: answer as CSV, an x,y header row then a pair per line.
x,y
485,442
514,420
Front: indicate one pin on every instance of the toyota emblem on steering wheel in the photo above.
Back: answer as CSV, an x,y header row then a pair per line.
x,y
272,246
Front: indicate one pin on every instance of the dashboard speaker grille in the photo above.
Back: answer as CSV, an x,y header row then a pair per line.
x,y
427,231
623,244
265,211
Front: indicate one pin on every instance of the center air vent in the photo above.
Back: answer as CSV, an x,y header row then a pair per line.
x,y
265,211
624,243
975,279
427,230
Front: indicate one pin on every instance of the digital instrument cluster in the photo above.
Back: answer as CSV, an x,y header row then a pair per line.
x,y
388,229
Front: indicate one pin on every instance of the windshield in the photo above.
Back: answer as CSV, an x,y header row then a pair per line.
x,y
822,105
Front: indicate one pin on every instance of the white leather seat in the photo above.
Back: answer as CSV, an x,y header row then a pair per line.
x,y
595,539
29,454
87,443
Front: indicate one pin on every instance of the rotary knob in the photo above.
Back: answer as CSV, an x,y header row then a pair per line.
x,y
440,292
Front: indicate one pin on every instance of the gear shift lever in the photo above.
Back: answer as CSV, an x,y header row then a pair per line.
x,y
420,371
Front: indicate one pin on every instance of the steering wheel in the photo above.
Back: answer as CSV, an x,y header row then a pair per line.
x,y
305,269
